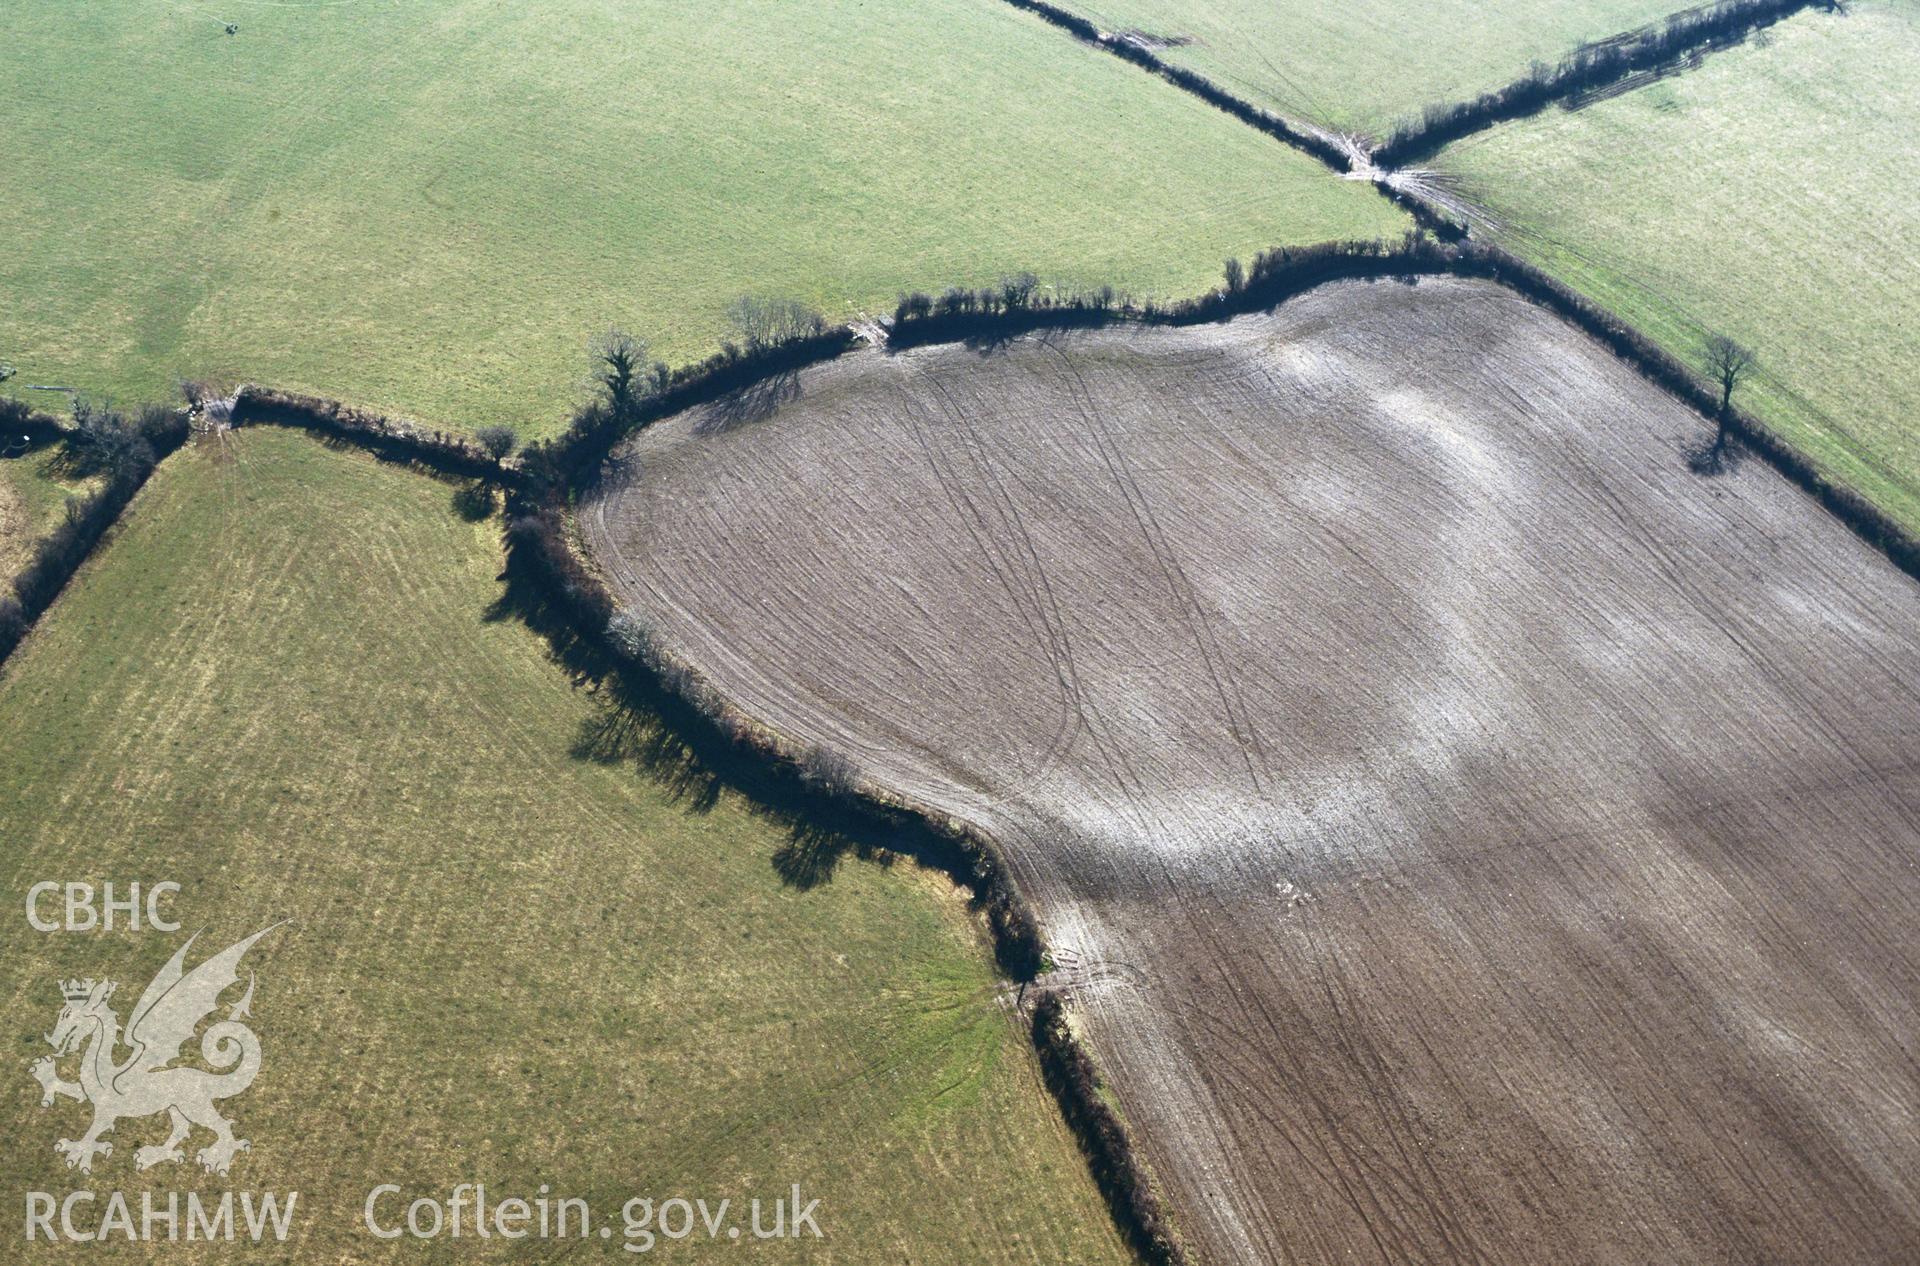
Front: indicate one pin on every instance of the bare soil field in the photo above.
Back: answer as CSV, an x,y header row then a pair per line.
x,y
1468,834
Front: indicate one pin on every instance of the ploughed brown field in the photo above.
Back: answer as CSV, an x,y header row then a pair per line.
x,y
1468,834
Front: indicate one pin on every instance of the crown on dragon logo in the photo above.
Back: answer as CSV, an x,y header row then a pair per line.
x,y
78,990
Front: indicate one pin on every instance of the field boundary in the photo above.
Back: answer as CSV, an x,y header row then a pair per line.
x,y
1337,152
541,554
1676,42
1685,35
1075,1081
1344,154
385,437
571,460
1278,275
539,550
59,555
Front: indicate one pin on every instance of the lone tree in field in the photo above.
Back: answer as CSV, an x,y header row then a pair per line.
x,y
1728,362
618,358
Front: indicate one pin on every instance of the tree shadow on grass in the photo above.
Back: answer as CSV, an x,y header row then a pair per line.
x,y
637,722
621,732
474,501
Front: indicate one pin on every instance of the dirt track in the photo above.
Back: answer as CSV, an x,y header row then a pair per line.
x,y
1479,838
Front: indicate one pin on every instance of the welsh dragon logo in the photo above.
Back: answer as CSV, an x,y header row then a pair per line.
x,y
162,1022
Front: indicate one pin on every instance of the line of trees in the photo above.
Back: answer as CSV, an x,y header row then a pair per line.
x,y
122,449
1585,69
1272,276
763,322
959,312
1075,1082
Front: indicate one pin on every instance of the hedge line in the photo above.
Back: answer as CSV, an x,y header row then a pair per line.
x,y
1279,274
57,556
1335,152
1273,277
1075,1083
566,463
538,552
1587,68
1317,143
571,461
386,437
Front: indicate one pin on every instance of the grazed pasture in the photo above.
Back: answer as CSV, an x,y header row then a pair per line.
x,y
533,943
34,487
1468,833
1362,67
427,207
1767,195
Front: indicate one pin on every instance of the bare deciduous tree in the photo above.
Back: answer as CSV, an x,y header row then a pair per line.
x,y
617,359
1728,362
764,322
826,770
498,441
1236,276
1017,291
105,441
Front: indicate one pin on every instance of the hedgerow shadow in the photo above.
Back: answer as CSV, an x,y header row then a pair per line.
x,y
755,402
636,722
475,501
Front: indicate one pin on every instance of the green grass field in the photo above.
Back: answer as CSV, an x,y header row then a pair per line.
x,y
429,207
1767,195
33,496
1361,67
281,686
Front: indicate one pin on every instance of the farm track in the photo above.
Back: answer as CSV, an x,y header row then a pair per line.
x,y
1506,836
